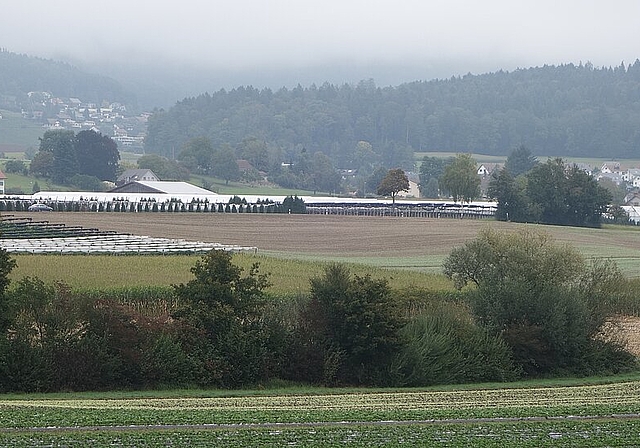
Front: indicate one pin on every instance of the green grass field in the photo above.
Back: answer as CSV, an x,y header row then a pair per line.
x,y
288,276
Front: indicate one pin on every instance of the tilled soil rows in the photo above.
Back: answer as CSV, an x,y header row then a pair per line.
x,y
328,234
313,234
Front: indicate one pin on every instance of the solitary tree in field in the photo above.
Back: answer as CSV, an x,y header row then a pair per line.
x,y
393,183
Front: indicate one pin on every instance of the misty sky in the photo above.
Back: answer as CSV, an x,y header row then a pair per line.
x,y
365,38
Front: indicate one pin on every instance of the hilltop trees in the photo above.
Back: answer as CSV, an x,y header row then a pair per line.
x,y
559,110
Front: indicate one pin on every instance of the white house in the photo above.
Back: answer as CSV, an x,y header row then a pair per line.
x,y
610,167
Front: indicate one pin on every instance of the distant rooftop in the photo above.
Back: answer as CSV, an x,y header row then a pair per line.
x,y
162,187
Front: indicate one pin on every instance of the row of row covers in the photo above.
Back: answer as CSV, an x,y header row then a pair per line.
x,y
114,244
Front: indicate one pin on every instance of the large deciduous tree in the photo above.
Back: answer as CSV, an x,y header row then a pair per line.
x,y
63,155
509,192
324,177
431,169
550,193
393,183
97,155
42,164
197,155
256,151
164,168
566,195
461,178
61,145
225,165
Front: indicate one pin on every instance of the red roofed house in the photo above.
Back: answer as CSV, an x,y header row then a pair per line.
x,y
2,178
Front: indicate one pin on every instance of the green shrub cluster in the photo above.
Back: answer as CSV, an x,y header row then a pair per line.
x,y
532,309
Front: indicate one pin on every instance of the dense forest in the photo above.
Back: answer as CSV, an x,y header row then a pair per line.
x,y
567,110
21,74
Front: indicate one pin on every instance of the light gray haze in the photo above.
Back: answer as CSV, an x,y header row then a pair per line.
x,y
282,42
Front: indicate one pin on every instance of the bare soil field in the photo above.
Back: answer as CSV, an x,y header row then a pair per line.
x,y
352,236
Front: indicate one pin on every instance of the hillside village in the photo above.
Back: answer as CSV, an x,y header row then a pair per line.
x,y
111,119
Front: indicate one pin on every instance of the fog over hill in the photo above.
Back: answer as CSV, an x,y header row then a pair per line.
x,y
169,50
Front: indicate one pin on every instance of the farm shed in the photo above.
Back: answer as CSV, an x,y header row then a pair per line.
x,y
162,187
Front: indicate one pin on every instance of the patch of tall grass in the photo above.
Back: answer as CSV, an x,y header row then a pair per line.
x,y
287,276
150,301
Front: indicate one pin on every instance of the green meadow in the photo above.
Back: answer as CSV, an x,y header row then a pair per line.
x,y
286,276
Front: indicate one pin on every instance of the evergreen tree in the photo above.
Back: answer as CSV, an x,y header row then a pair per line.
x,y
520,161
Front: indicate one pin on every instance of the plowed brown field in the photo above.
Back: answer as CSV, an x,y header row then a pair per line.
x,y
340,235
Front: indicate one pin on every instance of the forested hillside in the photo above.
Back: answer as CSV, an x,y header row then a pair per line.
x,y
21,74
567,110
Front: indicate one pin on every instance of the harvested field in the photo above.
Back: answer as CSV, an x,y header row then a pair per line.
x,y
419,243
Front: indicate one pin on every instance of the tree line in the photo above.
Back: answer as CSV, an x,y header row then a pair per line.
x,y
534,309
566,110
553,192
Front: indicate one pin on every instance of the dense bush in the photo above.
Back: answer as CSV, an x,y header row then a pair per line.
x,y
443,343
353,325
224,308
545,302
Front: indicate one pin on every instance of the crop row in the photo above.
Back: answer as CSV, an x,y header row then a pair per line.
x,y
524,434
598,400
616,393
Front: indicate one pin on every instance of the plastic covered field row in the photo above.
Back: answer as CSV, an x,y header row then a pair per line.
x,y
116,244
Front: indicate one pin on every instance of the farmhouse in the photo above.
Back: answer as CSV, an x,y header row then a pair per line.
x,y
2,179
136,175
